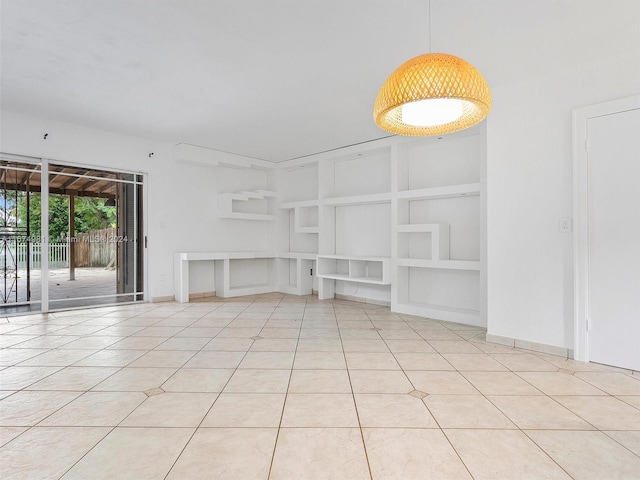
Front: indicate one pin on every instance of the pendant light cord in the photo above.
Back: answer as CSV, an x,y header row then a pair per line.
x,y
430,27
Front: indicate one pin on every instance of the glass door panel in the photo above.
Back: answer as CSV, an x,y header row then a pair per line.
x,y
94,218
20,235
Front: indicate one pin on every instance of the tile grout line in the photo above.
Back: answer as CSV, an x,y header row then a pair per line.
x,y
113,428
195,430
300,332
286,393
353,396
424,403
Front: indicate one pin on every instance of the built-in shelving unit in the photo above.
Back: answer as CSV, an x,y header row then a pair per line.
x,y
226,265
295,272
298,229
397,221
355,224
246,205
233,281
374,270
439,252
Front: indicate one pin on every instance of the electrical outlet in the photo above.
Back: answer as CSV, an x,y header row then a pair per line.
x,y
565,225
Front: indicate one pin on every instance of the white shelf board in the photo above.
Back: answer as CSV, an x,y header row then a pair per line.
x,y
248,194
359,199
346,278
373,280
353,257
263,217
441,264
267,193
188,256
334,276
297,204
307,230
468,189
250,255
418,227
225,255
298,255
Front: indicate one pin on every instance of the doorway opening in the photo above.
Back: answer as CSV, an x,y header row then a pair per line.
x,y
89,250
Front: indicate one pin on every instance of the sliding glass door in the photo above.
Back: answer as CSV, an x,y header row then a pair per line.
x,y
88,247
20,238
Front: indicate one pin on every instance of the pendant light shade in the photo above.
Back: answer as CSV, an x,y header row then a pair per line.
x,y
432,94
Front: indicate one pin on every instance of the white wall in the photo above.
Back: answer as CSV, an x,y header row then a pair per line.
x,y
529,173
529,187
181,198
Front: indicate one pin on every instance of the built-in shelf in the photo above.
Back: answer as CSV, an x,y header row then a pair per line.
x,y
189,256
374,270
298,255
307,229
359,199
383,199
305,219
439,233
441,264
335,276
295,273
469,189
260,217
305,213
297,204
420,227
226,202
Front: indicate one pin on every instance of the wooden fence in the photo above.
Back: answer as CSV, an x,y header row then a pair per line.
x,y
96,248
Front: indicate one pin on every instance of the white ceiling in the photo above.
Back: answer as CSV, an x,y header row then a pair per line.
x,y
274,79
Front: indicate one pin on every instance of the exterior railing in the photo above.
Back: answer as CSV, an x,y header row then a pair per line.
x,y
58,255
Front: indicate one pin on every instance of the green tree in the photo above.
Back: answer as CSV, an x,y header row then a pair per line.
x,y
91,213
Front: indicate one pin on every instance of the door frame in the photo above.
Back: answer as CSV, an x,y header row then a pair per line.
x,y
581,215
141,235
44,162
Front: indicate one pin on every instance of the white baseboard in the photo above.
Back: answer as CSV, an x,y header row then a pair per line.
x,y
370,301
506,341
167,298
195,296
527,345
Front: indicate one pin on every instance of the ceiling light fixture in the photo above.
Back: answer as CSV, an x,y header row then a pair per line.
x,y
432,94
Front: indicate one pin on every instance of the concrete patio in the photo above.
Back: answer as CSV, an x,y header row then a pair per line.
x,y
89,282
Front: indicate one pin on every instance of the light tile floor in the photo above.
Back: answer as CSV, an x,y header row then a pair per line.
x,y
283,387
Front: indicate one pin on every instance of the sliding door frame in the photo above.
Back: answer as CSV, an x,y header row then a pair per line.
x,y
139,179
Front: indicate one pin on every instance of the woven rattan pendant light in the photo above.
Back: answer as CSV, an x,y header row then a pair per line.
x,y
432,94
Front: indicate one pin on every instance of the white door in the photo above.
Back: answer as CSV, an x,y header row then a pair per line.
x,y
613,204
